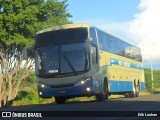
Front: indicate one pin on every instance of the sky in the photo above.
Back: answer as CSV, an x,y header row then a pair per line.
x,y
135,21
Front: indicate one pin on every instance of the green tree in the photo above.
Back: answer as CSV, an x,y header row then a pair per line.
x,y
156,78
147,73
19,21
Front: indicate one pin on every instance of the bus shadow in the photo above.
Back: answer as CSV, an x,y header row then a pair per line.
x,y
156,92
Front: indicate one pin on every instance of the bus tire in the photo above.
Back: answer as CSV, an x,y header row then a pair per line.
x,y
105,94
60,100
137,90
126,95
132,94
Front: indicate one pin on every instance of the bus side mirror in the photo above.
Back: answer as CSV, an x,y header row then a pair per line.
x,y
27,52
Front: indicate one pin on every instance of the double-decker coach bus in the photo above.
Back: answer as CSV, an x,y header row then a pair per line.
x,y
81,60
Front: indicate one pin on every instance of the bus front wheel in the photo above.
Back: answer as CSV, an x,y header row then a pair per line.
x,y
105,94
60,100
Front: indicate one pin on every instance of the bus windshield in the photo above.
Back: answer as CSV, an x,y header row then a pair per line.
x,y
61,53
59,37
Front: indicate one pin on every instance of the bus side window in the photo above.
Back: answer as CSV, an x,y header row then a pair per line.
x,y
93,35
94,54
102,39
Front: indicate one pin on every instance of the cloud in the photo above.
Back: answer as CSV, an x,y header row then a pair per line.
x,y
145,29
119,29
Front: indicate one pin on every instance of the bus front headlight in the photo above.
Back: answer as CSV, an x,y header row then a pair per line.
x,y
42,85
82,82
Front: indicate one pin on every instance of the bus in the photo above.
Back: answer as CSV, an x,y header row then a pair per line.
x,y
75,60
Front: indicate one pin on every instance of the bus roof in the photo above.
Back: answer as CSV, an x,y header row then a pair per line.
x,y
76,25
66,26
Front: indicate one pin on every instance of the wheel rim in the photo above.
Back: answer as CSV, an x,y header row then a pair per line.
x,y
134,89
137,89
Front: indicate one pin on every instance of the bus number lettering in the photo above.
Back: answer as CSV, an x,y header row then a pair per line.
x,y
120,63
126,64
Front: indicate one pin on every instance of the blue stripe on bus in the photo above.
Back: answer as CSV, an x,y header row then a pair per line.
x,y
142,86
123,86
126,64
119,86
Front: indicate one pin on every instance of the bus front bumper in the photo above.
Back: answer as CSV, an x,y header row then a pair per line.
x,y
81,88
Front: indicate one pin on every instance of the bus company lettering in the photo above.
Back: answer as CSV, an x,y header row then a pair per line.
x,y
126,64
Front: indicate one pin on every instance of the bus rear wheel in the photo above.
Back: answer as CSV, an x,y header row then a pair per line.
x,y
105,94
135,92
60,100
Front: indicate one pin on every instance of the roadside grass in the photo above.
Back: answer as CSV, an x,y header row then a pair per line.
x,y
28,95
144,92
156,91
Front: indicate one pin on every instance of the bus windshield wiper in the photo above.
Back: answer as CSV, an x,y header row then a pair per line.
x,y
69,63
86,62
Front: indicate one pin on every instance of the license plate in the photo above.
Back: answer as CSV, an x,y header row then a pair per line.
x,y
62,91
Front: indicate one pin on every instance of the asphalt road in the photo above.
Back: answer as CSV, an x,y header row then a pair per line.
x,y
113,107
